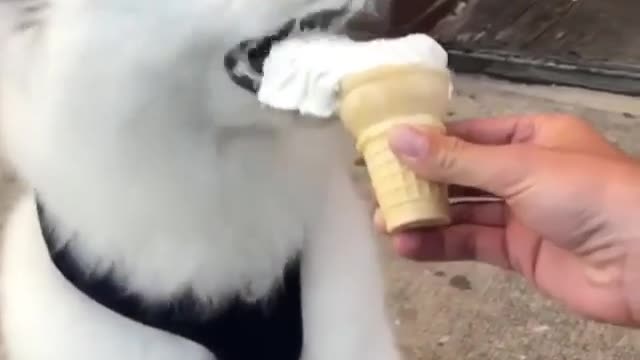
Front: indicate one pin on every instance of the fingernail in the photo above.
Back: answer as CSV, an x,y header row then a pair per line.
x,y
408,143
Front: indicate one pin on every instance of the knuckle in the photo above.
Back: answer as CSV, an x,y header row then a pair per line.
x,y
449,157
566,121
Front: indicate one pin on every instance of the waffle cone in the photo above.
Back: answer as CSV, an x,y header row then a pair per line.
x,y
372,103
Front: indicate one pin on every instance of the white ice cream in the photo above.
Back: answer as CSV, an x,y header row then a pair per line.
x,y
304,73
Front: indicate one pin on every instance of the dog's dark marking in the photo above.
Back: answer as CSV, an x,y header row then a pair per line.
x,y
269,329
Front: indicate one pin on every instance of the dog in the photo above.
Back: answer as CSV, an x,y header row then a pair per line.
x,y
169,216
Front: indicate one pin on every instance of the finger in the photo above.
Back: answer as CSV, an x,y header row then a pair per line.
x,y
494,131
457,191
378,222
456,243
569,133
500,170
487,214
558,131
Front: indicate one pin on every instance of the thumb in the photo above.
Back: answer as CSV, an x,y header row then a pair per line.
x,y
501,170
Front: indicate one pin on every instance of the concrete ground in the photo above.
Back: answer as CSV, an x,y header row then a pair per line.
x,y
469,311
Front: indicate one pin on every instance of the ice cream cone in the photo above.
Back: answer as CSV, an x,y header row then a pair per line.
x,y
371,103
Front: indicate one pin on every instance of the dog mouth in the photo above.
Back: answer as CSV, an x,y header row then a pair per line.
x,y
244,62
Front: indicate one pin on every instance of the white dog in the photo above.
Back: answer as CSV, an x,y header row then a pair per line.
x,y
171,217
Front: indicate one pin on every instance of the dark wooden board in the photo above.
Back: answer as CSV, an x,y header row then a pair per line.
x,y
594,30
587,43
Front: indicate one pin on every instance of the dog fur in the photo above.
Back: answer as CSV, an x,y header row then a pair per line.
x,y
119,115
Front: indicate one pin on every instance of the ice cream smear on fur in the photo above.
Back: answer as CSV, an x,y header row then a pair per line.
x,y
304,73
372,86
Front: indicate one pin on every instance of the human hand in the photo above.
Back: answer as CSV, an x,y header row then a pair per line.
x,y
567,219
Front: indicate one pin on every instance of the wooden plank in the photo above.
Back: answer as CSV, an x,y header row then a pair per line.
x,y
406,16
588,29
586,43
516,67
606,31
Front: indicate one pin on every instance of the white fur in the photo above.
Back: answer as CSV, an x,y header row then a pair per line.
x,y
120,114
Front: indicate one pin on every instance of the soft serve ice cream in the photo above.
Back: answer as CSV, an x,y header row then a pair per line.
x,y
373,86
304,73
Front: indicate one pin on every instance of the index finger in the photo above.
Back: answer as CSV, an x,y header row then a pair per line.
x,y
494,131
